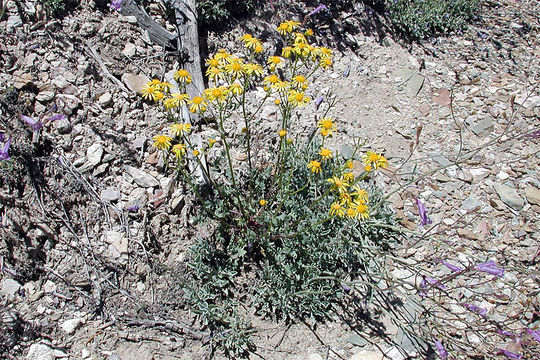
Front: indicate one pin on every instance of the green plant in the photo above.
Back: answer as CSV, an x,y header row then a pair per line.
x,y
54,7
420,19
293,220
216,12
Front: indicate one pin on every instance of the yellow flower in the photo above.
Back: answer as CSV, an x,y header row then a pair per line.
x,y
169,103
162,142
297,98
314,166
309,32
325,63
282,133
368,168
289,141
349,164
253,69
336,209
165,86
345,198
212,62
273,61
196,152
301,49
281,86
325,153
251,43
158,95
348,177
299,82
179,150
293,25
216,94
182,76
258,49
197,104
286,52
284,28
361,195
148,92
327,126
262,202
351,213
235,68
324,52
211,142
180,129
338,184
271,79
374,160
362,210
222,54
300,38
236,88
277,101
215,74
175,100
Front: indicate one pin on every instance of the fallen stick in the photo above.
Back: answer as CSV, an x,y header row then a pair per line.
x,y
103,68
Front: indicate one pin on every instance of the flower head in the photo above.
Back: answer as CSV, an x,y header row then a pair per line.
x,y
180,129
162,142
35,124
179,150
182,76
262,202
197,104
362,210
336,209
325,153
116,5
327,126
443,354
452,267
375,160
422,211
4,151
480,311
314,166
338,184
282,133
297,98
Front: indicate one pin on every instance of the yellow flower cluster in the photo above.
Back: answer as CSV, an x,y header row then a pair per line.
x,y
373,161
354,204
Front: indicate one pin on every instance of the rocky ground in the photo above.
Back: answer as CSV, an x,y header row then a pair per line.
x,y
92,232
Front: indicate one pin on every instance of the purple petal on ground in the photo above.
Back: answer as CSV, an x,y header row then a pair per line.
x,y
509,354
318,102
443,354
55,118
422,211
490,268
506,333
318,9
452,267
535,334
4,152
35,124
480,311
116,5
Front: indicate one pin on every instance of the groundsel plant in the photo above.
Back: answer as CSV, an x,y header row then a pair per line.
x,y
295,215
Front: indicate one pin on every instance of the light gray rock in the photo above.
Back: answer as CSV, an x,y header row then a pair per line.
x,y
141,177
471,203
94,154
110,194
105,99
533,195
71,325
509,196
13,22
129,50
135,82
40,352
118,244
483,127
45,96
9,287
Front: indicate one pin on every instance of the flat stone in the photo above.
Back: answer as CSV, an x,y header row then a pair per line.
x,y
413,81
483,127
94,154
118,244
471,203
40,352
141,177
135,82
14,21
110,194
9,287
70,326
509,196
532,195
63,126
424,109
105,99
45,96
21,79
441,97
129,50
